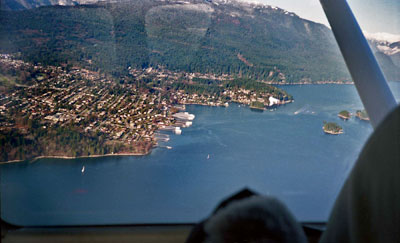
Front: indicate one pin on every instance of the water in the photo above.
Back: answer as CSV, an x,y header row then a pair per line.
x,y
278,153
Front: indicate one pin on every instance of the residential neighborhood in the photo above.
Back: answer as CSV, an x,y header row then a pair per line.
x,y
125,112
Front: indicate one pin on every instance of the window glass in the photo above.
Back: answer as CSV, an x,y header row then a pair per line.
x,y
152,111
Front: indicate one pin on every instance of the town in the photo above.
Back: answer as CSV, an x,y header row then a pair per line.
x,y
125,112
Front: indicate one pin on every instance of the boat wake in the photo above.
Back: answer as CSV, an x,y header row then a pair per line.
x,y
307,109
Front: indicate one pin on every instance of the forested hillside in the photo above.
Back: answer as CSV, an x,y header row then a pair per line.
x,y
253,41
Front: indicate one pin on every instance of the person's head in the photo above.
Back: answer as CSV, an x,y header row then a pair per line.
x,y
253,220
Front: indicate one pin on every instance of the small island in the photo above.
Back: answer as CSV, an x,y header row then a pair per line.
x,y
332,128
362,115
345,115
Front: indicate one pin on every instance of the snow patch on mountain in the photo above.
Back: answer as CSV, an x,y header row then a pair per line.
x,y
383,42
388,50
382,37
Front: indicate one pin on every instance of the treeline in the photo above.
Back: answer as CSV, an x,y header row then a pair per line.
x,y
211,87
257,86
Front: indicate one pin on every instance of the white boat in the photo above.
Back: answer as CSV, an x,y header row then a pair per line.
x,y
178,131
208,156
184,116
83,169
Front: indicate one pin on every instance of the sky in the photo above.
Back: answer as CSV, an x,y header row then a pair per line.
x,y
374,16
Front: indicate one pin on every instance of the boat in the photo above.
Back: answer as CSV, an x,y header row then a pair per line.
x,y
83,169
177,131
184,116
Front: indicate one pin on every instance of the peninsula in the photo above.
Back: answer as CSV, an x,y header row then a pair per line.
x,y
68,111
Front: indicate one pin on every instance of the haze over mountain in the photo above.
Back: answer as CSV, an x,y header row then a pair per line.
x,y
251,40
387,50
28,4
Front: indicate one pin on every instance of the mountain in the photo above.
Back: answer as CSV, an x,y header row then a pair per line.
x,y
386,48
223,37
28,4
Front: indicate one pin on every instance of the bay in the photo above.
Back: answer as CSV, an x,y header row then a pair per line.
x,y
283,153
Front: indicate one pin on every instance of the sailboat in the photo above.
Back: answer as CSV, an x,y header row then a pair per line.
x,y
83,169
208,156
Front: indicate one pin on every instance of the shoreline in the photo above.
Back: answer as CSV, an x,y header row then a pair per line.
x,y
72,157
362,118
128,154
311,83
344,117
149,152
240,103
258,108
332,132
